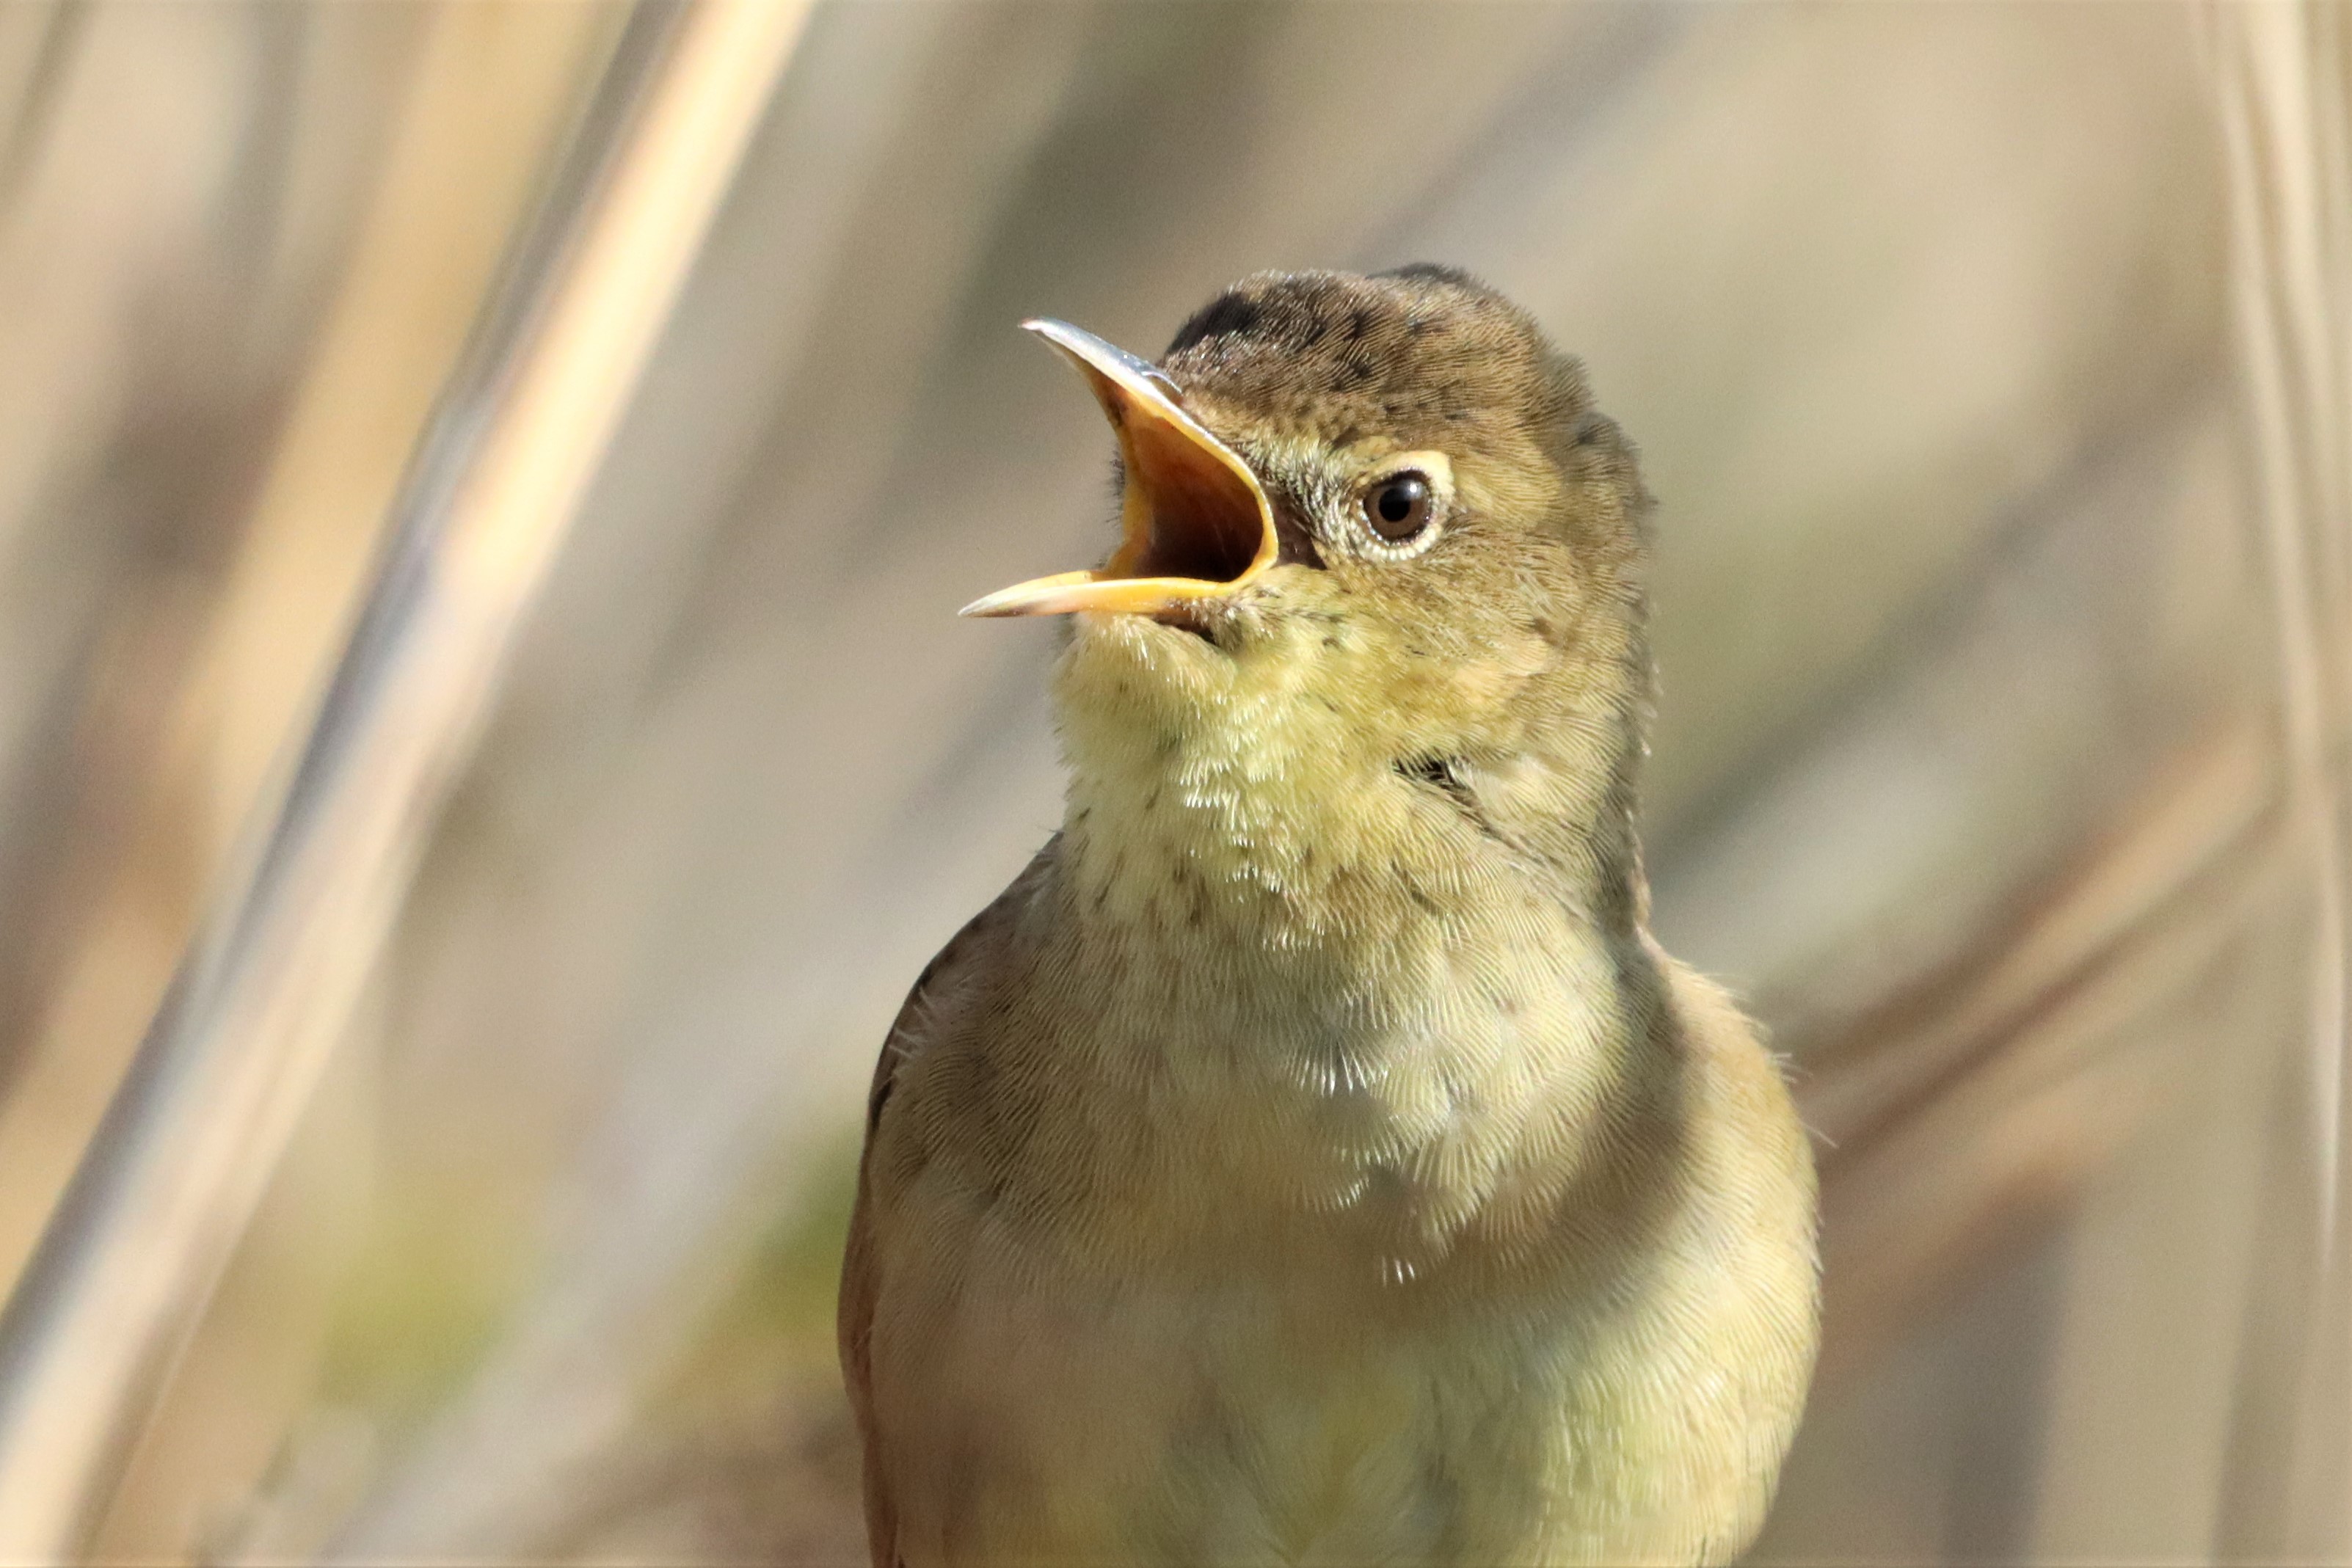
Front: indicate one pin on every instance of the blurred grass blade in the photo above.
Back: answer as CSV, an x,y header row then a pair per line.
x,y
2280,75
129,1261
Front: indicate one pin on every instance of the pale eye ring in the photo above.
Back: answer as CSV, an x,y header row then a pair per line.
x,y
1404,505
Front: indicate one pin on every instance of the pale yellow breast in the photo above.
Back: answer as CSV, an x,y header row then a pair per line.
x,y
1220,1306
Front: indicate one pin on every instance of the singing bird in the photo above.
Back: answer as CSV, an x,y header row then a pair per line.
x,y
1311,1157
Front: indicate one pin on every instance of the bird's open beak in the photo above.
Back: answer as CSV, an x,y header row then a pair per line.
x,y
1197,521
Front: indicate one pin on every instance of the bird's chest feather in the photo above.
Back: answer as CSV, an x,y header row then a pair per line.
x,y
1332,1026
1241,1238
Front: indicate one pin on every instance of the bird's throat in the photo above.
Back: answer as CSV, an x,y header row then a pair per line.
x,y
1221,796
1357,1007
1206,800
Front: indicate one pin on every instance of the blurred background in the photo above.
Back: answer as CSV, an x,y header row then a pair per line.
x,y
1990,363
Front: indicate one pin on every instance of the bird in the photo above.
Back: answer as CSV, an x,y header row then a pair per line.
x,y
1311,1156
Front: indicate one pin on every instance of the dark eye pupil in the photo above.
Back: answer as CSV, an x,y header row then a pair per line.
x,y
1401,507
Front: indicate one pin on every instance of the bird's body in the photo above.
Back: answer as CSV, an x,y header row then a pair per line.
x,y
1311,1158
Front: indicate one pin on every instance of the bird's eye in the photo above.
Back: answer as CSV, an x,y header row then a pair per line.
x,y
1398,505
1402,509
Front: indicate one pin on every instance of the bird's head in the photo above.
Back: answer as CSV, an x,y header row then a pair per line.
x,y
1381,565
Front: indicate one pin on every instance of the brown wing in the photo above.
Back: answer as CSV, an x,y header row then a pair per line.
x,y
943,989
855,1325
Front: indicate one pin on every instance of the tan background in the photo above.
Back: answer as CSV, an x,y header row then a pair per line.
x,y
2002,612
